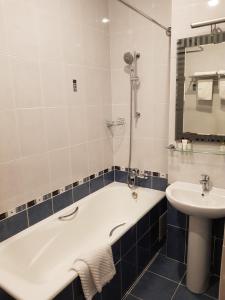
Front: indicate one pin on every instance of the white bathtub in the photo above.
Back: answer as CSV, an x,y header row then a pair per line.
x,y
35,264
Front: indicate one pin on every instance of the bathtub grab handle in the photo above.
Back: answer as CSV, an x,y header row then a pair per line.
x,y
114,228
69,215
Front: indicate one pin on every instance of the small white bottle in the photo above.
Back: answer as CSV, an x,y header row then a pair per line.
x,y
179,145
222,147
189,146
184,144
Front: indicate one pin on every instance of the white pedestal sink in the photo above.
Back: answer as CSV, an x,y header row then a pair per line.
x,y
188,198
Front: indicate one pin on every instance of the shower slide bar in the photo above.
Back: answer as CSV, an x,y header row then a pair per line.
x,y
167,29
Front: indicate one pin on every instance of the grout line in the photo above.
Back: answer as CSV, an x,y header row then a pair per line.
x,y
163,277
135,297
183,263
179,284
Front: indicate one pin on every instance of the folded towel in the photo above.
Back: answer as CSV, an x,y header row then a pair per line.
x,y
221,72
205,89
222,89
95,269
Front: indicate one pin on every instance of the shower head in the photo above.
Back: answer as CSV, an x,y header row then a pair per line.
x,y
128,58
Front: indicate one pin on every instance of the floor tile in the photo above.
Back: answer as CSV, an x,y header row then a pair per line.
x,y
184,294
130,297
168,268
152,286
213,290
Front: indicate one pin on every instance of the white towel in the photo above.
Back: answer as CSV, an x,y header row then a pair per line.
x,y
95,269
210,73
205,89
222,89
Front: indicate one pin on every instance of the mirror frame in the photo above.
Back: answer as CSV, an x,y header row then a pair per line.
x,y
182,44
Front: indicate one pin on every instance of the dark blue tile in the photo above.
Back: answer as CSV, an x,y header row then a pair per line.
x,y
96,184
109,177
144,256
152,286
163,206
121,176
159,183
154,234
213,290
168,268
218,246
176,218
184,294
116,249
81,191
78,291
128,240
66,294
63,200
40,212
5,296
112,291
218,228
13,225
130,297
176,238
143,225
154,214
146,183
129,269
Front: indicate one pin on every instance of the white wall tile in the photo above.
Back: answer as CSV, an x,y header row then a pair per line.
x,y
6,92
95,156
60,168
57,128
26,83
77,125
31,131
79,162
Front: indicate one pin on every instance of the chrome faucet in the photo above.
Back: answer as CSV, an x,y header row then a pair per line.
x,y
205,183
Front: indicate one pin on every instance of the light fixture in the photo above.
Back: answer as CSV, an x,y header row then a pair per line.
x,y
213,2
105,20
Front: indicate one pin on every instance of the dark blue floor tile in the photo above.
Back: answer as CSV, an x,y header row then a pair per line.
x,y
121,176
152,286
184,294
40,212
213,290
176,218
5,296
130,297
96,184
63,200
112,291
109,177
168,268
128,240
159,183
176,240
13,225
81,191
66,294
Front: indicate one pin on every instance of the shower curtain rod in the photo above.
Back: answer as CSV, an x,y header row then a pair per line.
x,y
167,29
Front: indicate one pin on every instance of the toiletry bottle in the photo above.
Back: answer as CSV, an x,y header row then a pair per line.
x,y
184,144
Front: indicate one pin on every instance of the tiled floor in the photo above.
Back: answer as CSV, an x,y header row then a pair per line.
x,y
165,280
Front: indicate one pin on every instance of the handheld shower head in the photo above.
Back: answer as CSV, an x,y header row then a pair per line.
x,y
128,58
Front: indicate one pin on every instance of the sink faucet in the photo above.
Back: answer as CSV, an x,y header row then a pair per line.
x,y
205,183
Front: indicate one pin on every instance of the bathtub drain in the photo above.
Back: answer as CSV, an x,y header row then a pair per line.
x,y
114,228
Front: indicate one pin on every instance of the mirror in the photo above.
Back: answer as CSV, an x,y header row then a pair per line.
x,y
200,109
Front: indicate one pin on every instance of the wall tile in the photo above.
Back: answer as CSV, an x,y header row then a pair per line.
x,y
176,239
6,93
13,225
128,240
96,184
159,183
121,176
176,218
81,191
63,200
40,212
109,177
79,162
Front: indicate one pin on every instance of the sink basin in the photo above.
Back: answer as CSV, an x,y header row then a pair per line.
x,y
188,198
201,207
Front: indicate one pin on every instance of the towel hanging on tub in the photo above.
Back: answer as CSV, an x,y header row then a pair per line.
x,y
95,269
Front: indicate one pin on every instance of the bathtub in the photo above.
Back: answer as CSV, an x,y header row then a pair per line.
x,y
37,261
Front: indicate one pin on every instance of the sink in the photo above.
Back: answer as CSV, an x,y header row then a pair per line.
x,y
188,198
201,207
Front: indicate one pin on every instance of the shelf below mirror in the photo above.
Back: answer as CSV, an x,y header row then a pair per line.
x,y
201,151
